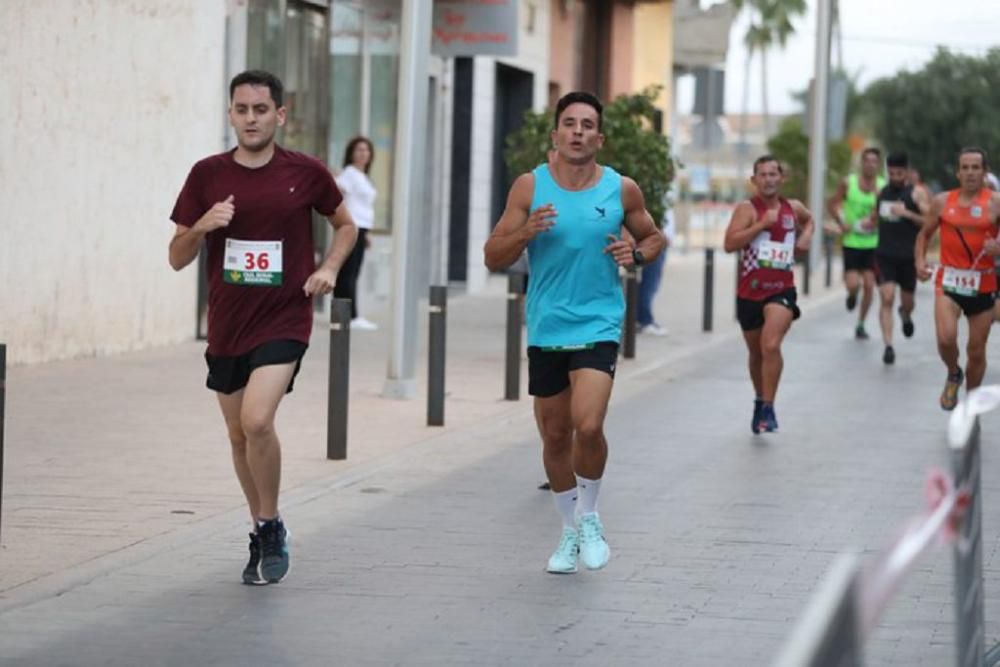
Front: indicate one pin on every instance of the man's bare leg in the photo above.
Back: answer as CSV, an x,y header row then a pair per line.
x,y
979,333
232,405
263,393
777,321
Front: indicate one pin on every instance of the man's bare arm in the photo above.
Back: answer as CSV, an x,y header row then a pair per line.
x,y
646,238
517,226
804,223
931,223
345,235
743,227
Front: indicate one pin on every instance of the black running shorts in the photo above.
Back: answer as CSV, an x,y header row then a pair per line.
x,y
750,313
549,369
230,374
973,305
903,272
859,260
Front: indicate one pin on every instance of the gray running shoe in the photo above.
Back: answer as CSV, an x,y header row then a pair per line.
x,y
274,563
251,573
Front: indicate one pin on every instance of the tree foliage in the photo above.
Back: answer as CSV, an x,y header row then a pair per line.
x,y
791,146
932,113
631,146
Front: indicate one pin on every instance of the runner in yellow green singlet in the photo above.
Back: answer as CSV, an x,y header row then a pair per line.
x,y
851,206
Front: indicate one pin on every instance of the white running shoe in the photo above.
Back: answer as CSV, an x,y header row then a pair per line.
x,y
654,329
594,549
362,324
563,559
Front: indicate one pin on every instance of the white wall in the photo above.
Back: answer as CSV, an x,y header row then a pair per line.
x,y
532,56
106,106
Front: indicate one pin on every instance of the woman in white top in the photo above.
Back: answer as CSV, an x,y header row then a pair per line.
x,y
359,196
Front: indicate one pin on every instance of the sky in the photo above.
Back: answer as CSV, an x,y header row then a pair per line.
x,y
880,38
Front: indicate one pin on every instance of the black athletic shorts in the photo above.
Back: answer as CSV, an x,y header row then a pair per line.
x,y
750,313
903,272
973,305
859,260
548,369
230,374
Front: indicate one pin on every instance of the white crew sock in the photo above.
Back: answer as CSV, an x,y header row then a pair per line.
x,y
587,490
566,504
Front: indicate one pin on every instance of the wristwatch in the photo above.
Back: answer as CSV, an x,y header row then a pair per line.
x,y
637,257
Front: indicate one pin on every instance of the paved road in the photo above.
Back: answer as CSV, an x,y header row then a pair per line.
x,y
436,556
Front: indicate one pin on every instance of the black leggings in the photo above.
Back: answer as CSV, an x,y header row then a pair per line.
x,y
347,279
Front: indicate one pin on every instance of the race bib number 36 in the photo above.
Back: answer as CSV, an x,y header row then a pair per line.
x,y
962,283
252,263
773,255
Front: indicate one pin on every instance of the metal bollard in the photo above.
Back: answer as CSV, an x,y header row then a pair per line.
x,y
435,354
968,555
339,379
631,312
806,274
706,314
515,297
3,400
828,252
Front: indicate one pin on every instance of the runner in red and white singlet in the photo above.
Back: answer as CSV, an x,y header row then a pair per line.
x,y
767,230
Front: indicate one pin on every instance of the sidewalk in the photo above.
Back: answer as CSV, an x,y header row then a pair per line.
x,y
104,454
434,555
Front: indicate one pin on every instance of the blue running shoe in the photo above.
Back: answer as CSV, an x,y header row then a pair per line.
x,y
251,573
769,420
563,559
594,549
755,425
274,563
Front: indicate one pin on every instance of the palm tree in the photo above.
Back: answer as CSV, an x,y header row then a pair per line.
x,y
770,24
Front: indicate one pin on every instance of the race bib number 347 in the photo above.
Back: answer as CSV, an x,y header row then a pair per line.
x,y
776,255
252,263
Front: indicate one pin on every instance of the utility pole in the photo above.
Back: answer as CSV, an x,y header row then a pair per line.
x,y
818,129
407,208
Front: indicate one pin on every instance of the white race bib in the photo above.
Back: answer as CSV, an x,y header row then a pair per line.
x,y
885,211
252,263
961,282
773,255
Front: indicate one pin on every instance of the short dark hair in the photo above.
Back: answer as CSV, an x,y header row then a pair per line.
x,y
764,159
349,151
874,151
258,77
899,159
582,97
975,149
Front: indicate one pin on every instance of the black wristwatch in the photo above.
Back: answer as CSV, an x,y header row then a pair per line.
x,y
637,257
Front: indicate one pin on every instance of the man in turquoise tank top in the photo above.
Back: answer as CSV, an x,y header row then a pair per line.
x,y
568,214
851,207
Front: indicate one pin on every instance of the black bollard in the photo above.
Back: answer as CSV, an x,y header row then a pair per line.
x,y
435,355
631,312
828,251
806,273
3,400
706,313
515,297
339,379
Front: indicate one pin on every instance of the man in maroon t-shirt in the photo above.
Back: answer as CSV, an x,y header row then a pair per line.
x,y
768,231
251,208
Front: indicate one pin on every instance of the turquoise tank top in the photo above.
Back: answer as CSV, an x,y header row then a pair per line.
x,y
574,292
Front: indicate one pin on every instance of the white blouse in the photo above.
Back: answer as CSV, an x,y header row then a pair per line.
x,y
359,195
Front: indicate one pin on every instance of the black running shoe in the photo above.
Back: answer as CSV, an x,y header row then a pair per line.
x,y
274,563
251,573
852,301
544,486
860,333
889,356
907,324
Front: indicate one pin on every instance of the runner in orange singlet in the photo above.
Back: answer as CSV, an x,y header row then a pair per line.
x,y
966,281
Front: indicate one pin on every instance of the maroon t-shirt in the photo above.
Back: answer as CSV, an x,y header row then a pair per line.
x,y
273,203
